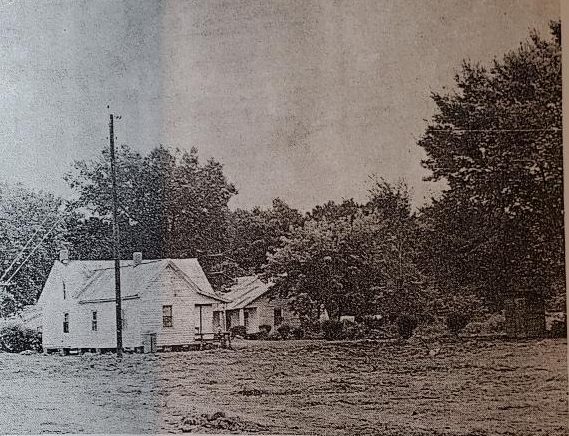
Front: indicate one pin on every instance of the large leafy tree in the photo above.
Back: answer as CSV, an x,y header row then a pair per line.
x,y
34,217
399,248
171,205
497,142
258,232
328,263
352,259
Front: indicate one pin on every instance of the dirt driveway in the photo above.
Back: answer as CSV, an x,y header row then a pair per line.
x,y
295,387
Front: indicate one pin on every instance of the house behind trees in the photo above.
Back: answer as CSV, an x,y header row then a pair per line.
x,y
252,305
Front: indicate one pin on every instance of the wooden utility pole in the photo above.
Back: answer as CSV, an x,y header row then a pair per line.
x,y
116,250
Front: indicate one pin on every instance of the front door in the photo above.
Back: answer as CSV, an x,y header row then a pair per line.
x,y
204,319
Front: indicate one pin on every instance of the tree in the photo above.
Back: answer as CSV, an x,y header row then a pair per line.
x,y
496,141
398,248
25,215
332,211
171,205
353,259
325,263
258,232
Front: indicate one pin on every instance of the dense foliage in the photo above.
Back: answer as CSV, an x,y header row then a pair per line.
x,y
352,259
27,216
171,205
17,338
497,142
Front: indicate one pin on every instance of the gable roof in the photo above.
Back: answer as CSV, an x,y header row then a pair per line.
x,y
94,280
246,291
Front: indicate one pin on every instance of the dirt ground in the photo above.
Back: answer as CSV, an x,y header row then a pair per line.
x,y
295,387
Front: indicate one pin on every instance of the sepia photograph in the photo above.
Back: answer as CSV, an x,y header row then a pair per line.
x,y
282,217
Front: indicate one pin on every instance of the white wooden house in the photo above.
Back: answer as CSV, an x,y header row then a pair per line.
x,y
165,303
251,304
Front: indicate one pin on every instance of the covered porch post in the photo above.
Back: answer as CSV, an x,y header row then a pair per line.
x,y
242,316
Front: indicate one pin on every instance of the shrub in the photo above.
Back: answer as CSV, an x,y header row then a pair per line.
x,y
489,325
311,328
257,336
373,323
15,339
352,330
284,331
558,328
297,333
265,328
332,329
456,321
406,325
238,330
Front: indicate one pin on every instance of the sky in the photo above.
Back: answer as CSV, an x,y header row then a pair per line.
x,y
301,100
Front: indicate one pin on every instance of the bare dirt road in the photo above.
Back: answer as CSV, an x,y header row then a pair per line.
x,y
295,387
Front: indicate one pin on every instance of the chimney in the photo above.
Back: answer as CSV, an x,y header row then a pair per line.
x,y
136,258
64,256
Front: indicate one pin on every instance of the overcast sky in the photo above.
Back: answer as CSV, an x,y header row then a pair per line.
x,y
298,99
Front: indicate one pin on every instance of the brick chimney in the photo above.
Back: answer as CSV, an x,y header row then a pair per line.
x,y
64,256
136,258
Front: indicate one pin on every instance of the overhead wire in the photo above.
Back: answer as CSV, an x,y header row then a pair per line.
x,y
37,246
23,249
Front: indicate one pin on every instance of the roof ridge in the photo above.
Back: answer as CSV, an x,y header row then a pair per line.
x,y
191,282
123,265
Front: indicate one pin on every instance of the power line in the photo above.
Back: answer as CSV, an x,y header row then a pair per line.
x,y
36,247
23,249
549,129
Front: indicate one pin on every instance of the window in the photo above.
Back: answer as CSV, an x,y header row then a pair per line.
x,y
167,316
278,317
64,291
65,323
94,321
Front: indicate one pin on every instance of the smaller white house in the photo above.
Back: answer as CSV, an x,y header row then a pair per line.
x,y
165,303
252,304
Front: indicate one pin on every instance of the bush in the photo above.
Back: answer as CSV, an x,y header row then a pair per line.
x,y
332,329
238,330
265,328
257,336
352,330
311,328
372,323
406,325
297,333
558,328
284,331
15,339
456,321
489,325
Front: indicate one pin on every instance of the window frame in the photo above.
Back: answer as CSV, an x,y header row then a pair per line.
x,y
280,317
66,322
94,319
167,320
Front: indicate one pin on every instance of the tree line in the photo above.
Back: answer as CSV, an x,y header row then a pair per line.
x,y
497,228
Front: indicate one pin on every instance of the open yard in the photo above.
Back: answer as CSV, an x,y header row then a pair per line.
x,y
295,387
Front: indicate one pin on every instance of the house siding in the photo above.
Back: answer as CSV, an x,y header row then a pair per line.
x,y
261,312
143,313
169,289
105,335
266,307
